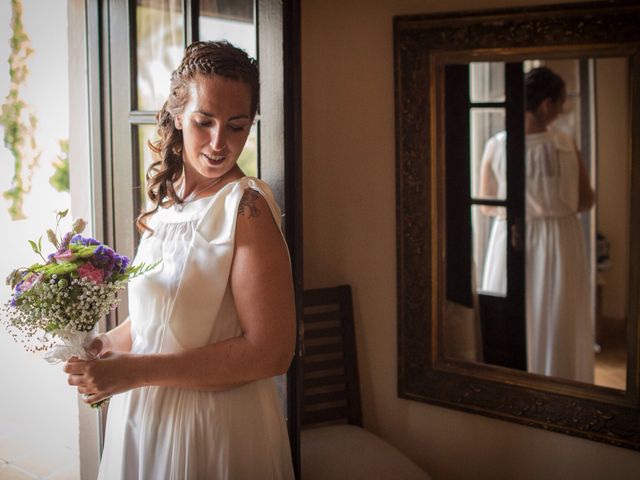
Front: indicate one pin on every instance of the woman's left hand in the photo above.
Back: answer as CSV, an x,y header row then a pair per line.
x,y
100,378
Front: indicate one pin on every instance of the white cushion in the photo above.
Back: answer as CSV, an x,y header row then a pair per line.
x,y
349,452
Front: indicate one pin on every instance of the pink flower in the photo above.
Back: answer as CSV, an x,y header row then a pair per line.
x,y
64,256
92,273
30,281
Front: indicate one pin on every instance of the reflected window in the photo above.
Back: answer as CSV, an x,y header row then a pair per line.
x,y
486,82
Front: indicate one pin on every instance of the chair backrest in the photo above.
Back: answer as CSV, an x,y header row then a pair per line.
x,y
331,390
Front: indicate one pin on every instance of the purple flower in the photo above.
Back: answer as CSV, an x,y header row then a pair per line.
x,y
64,244
28,281
111,262
86,241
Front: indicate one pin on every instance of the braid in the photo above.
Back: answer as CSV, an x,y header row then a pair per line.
x,y
200,58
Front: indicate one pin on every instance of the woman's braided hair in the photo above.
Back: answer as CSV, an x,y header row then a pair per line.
x,y
200,58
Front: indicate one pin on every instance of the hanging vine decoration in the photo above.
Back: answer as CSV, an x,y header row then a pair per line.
x,y
18,118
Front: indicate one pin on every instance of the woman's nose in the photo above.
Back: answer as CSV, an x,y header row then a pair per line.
x,y
218,139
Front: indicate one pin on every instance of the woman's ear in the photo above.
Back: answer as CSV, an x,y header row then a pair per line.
x,y
545,106
177,121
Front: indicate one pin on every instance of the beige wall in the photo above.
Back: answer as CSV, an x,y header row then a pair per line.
x,y
612,101
349,237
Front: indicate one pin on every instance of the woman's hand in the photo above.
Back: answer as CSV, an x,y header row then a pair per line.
x,y
102,377
99,346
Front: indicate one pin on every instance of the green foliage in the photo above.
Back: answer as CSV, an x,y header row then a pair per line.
x,y
82,251
135,271
248,160
59,269
60,178
15,115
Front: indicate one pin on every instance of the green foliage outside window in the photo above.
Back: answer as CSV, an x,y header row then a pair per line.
x,y
60,178
248,160
17,118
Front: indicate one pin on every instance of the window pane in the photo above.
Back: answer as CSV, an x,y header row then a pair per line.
x,y
231,20
160,45
234,21
248,160
145,158
488,153
486,82
489,230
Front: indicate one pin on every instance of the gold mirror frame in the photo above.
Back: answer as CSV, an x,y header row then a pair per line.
x,y
424,373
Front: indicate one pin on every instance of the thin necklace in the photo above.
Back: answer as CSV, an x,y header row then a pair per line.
x,y
200,189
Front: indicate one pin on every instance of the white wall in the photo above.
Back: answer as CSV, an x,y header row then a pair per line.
x,y
349,237
38,409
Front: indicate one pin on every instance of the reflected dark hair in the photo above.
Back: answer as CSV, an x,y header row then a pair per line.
x,y
200,58
541,83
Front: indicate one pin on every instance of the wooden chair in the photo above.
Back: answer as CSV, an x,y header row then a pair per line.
x,y
334,444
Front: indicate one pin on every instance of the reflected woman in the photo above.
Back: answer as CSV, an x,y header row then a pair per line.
x,y
558,299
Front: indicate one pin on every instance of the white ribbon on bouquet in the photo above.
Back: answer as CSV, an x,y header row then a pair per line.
x,y
74,344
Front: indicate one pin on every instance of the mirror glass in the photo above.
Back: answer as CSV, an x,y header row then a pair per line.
x,y
546,196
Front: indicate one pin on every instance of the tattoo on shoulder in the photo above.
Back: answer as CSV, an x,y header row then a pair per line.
x,y
248,204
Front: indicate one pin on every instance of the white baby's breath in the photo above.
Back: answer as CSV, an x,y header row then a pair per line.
x,y
59,307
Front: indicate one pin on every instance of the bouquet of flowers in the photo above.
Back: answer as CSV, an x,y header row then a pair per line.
x,y
64,297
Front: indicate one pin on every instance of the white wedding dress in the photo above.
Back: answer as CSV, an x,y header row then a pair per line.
x,y
559,309
186,302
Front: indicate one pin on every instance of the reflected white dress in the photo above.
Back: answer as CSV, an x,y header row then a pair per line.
x,y
186,302
559,306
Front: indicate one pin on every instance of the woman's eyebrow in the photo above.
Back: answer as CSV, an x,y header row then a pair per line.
x,y
211,115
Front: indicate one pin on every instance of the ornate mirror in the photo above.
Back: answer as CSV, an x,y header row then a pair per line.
x,y
518,215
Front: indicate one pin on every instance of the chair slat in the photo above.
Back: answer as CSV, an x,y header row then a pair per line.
x,y
327,397
333,316
328,415
322,349
323,333
324,381
323,365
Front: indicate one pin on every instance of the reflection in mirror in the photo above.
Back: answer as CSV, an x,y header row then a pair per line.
x,y
461,346
570,251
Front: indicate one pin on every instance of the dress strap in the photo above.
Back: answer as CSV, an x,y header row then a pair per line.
x,y
218,222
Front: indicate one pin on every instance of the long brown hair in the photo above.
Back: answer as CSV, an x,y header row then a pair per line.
x,y
200,58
